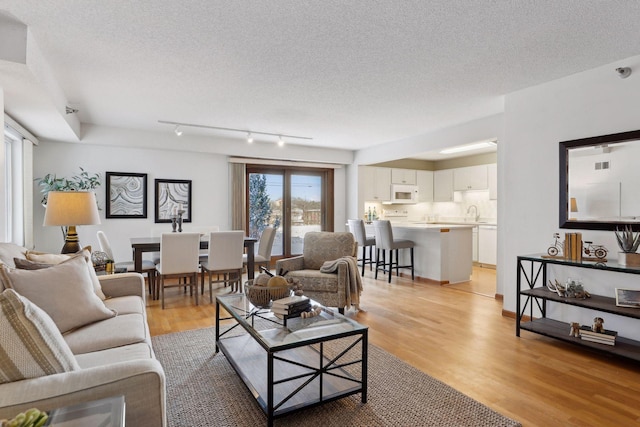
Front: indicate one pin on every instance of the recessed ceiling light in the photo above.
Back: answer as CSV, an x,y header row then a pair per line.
x,y
469,147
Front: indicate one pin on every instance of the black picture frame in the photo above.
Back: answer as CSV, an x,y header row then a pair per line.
x,y
126,195
171,194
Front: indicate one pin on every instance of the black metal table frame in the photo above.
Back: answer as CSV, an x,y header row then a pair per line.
x,y
327,368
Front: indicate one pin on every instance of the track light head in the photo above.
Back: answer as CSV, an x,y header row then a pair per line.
x,y
70,110
280,141
177,130
623,72
249,138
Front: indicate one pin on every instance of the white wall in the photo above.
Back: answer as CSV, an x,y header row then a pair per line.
x,y
104,149
3,187
595,102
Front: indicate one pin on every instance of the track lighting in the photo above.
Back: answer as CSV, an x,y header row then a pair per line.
x,y
623,72
70,110
249,133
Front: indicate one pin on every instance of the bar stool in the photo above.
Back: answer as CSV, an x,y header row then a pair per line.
x,y
356,227
385,241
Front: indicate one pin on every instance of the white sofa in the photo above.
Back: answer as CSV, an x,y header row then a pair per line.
x,y
115,357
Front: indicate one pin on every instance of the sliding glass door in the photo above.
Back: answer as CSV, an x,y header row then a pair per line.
x,y
292,200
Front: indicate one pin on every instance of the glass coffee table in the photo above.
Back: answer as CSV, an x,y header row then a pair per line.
x,y
286,368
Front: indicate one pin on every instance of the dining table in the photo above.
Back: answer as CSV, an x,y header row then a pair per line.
x,y
139,245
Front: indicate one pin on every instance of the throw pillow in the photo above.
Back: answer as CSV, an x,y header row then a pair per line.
x,y
30,343
25,264
46,258
64,291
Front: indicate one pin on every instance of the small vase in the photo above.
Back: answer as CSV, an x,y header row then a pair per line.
x,y
629,259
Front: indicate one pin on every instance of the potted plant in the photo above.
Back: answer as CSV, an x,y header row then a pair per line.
x,y
83,181
628,241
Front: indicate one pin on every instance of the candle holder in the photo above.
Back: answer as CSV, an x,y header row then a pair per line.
x,y
180,212
174,223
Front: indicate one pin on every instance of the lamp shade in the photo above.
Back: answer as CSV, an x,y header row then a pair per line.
x,y
67,208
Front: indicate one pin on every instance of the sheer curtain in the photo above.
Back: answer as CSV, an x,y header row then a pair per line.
x,y
18,184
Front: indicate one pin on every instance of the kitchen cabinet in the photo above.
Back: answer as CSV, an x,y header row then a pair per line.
x,y
471,178
443,185
374,183
487,244
425,186
474,242
492,171
403,176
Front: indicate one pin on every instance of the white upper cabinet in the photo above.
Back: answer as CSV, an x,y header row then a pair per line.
x,y
403,176
493,181
425,186
443,185
471,178
374,183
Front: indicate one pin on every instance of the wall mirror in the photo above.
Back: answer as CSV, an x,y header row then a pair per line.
x,y
600,182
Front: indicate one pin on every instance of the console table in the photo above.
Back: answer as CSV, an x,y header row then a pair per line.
x,y
533,269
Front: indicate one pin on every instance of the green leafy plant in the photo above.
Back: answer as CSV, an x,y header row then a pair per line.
x,y
628,241
82,181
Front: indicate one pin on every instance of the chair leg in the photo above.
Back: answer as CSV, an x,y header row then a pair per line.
x,y
391,264
162,290
413,277
377,262
364,258
193,280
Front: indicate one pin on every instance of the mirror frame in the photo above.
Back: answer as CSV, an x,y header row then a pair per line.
x,y
564,180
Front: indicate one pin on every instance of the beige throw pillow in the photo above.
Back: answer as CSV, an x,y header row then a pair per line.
x,y
46,258
30,343
63,291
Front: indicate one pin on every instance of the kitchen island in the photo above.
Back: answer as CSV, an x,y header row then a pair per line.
x,y
442,253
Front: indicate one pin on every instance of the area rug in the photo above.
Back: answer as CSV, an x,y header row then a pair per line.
x,y
204,390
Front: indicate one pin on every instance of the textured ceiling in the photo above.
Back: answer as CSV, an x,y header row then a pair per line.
x,y
350,73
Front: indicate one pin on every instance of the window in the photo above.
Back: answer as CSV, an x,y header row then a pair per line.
x,y
292,200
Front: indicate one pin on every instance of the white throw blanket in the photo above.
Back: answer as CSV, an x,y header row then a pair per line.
x,y
354,281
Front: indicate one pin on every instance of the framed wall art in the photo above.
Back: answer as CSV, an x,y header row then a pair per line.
x,y
172,195
126,195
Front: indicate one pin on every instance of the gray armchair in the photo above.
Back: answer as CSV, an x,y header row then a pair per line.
x,y
329,289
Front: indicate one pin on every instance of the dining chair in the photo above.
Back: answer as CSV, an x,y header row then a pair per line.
x,y
148,267
179,258
224,259
384,242
356,227
265,245
204,232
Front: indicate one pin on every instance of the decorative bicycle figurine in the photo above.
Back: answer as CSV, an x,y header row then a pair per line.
x,y
556,248
599,251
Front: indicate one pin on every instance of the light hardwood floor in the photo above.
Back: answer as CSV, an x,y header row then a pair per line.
x,y
457,335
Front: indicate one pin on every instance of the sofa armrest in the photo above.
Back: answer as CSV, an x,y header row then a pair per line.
x,y
142,382
290,264
123,284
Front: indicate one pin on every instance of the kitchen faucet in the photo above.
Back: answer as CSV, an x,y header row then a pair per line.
x,y
476,216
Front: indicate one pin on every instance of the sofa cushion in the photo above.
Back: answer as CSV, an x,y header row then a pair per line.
x,y
321,246
126,305
109,356
115,332
9,251
47,258
25,264
63,291
30,343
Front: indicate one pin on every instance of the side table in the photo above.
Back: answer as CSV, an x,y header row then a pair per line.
x,y
108,412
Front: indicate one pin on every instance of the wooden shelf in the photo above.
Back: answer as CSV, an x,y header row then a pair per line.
x,y
624,347
560,330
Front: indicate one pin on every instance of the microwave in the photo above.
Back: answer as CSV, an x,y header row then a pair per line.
x,y
403,194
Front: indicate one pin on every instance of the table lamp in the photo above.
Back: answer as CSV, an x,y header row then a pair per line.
x,y
71,208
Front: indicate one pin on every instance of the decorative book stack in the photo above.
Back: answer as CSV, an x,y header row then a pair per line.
x,y
606,337
573,246
289,307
